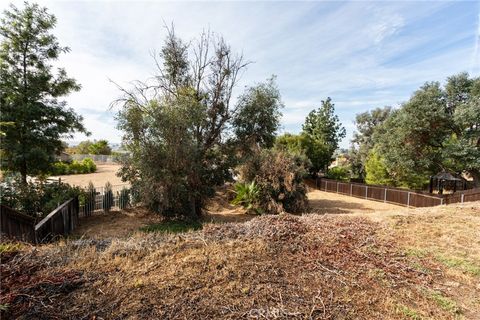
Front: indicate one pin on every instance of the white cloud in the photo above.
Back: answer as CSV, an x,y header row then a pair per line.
x,y
362,54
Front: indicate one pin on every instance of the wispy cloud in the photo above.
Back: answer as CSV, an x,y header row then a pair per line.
x,y
362,54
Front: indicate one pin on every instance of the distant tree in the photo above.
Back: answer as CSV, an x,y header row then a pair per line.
x,y
92,147
325,132
438,128
293,143
83,147
100,147
376,170
258,115
30,92
363,139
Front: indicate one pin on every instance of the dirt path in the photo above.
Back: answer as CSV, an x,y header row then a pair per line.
x,y
326,202
105,173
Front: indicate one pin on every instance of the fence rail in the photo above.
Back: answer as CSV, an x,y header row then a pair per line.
x,y
61,221
17,225
102,199
406,198
402,197
100,158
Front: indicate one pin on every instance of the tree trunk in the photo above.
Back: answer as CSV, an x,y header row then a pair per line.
x,y
23,171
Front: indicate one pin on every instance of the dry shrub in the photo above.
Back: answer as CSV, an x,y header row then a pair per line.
x,y
279,175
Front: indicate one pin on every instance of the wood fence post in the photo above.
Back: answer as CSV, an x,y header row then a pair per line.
x,y
408,200
462,197
441,201
326,184
385,196
337,186
366,192
351,189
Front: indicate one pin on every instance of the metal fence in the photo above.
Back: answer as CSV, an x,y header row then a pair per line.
x,y
100,158
105,199
407,198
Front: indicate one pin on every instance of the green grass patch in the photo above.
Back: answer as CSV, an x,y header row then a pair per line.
x,y
172,226
444,302
459,263
408,313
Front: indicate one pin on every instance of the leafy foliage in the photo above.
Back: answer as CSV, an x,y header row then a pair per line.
x,y
75,167
30,92
92,147
376,169
35,199
258,115
323,132
247,195
338,173
177,125
363,139
124,198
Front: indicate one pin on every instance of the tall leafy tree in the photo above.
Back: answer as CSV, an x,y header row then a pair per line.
x,y
438,128
325,131
258,115
176,125
30,91
363,139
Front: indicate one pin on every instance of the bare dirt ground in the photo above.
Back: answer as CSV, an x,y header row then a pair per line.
x,y
332,203
114,224
105,173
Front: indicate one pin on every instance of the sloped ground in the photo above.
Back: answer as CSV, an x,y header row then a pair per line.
x,y
404,264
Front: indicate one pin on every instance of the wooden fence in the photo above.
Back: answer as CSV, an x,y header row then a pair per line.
x,y
61,221
402,197
17,225
407,198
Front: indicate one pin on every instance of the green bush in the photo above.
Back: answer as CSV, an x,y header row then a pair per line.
x,y
75,167
247,195
35,199
89,165
338,173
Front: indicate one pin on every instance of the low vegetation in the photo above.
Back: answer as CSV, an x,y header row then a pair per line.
x,y
75,167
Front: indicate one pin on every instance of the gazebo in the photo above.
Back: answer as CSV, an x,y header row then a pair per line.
x,y
446,181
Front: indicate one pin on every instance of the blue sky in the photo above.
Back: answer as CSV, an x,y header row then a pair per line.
x,y
362,54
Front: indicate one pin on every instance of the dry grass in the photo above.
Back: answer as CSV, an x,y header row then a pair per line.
x,y
395,264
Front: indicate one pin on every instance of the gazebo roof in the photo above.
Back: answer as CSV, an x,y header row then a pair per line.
x,y
446,176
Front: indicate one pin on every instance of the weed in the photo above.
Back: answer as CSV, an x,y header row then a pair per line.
x,y
408,313
444,302
459,263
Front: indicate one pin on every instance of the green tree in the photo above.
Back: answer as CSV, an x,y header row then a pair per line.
x,y
30,91
258,115
325,131
363,139
438,128
176,126
376,170
100,147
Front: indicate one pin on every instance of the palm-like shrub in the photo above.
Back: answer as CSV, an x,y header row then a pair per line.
x,y
246,195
